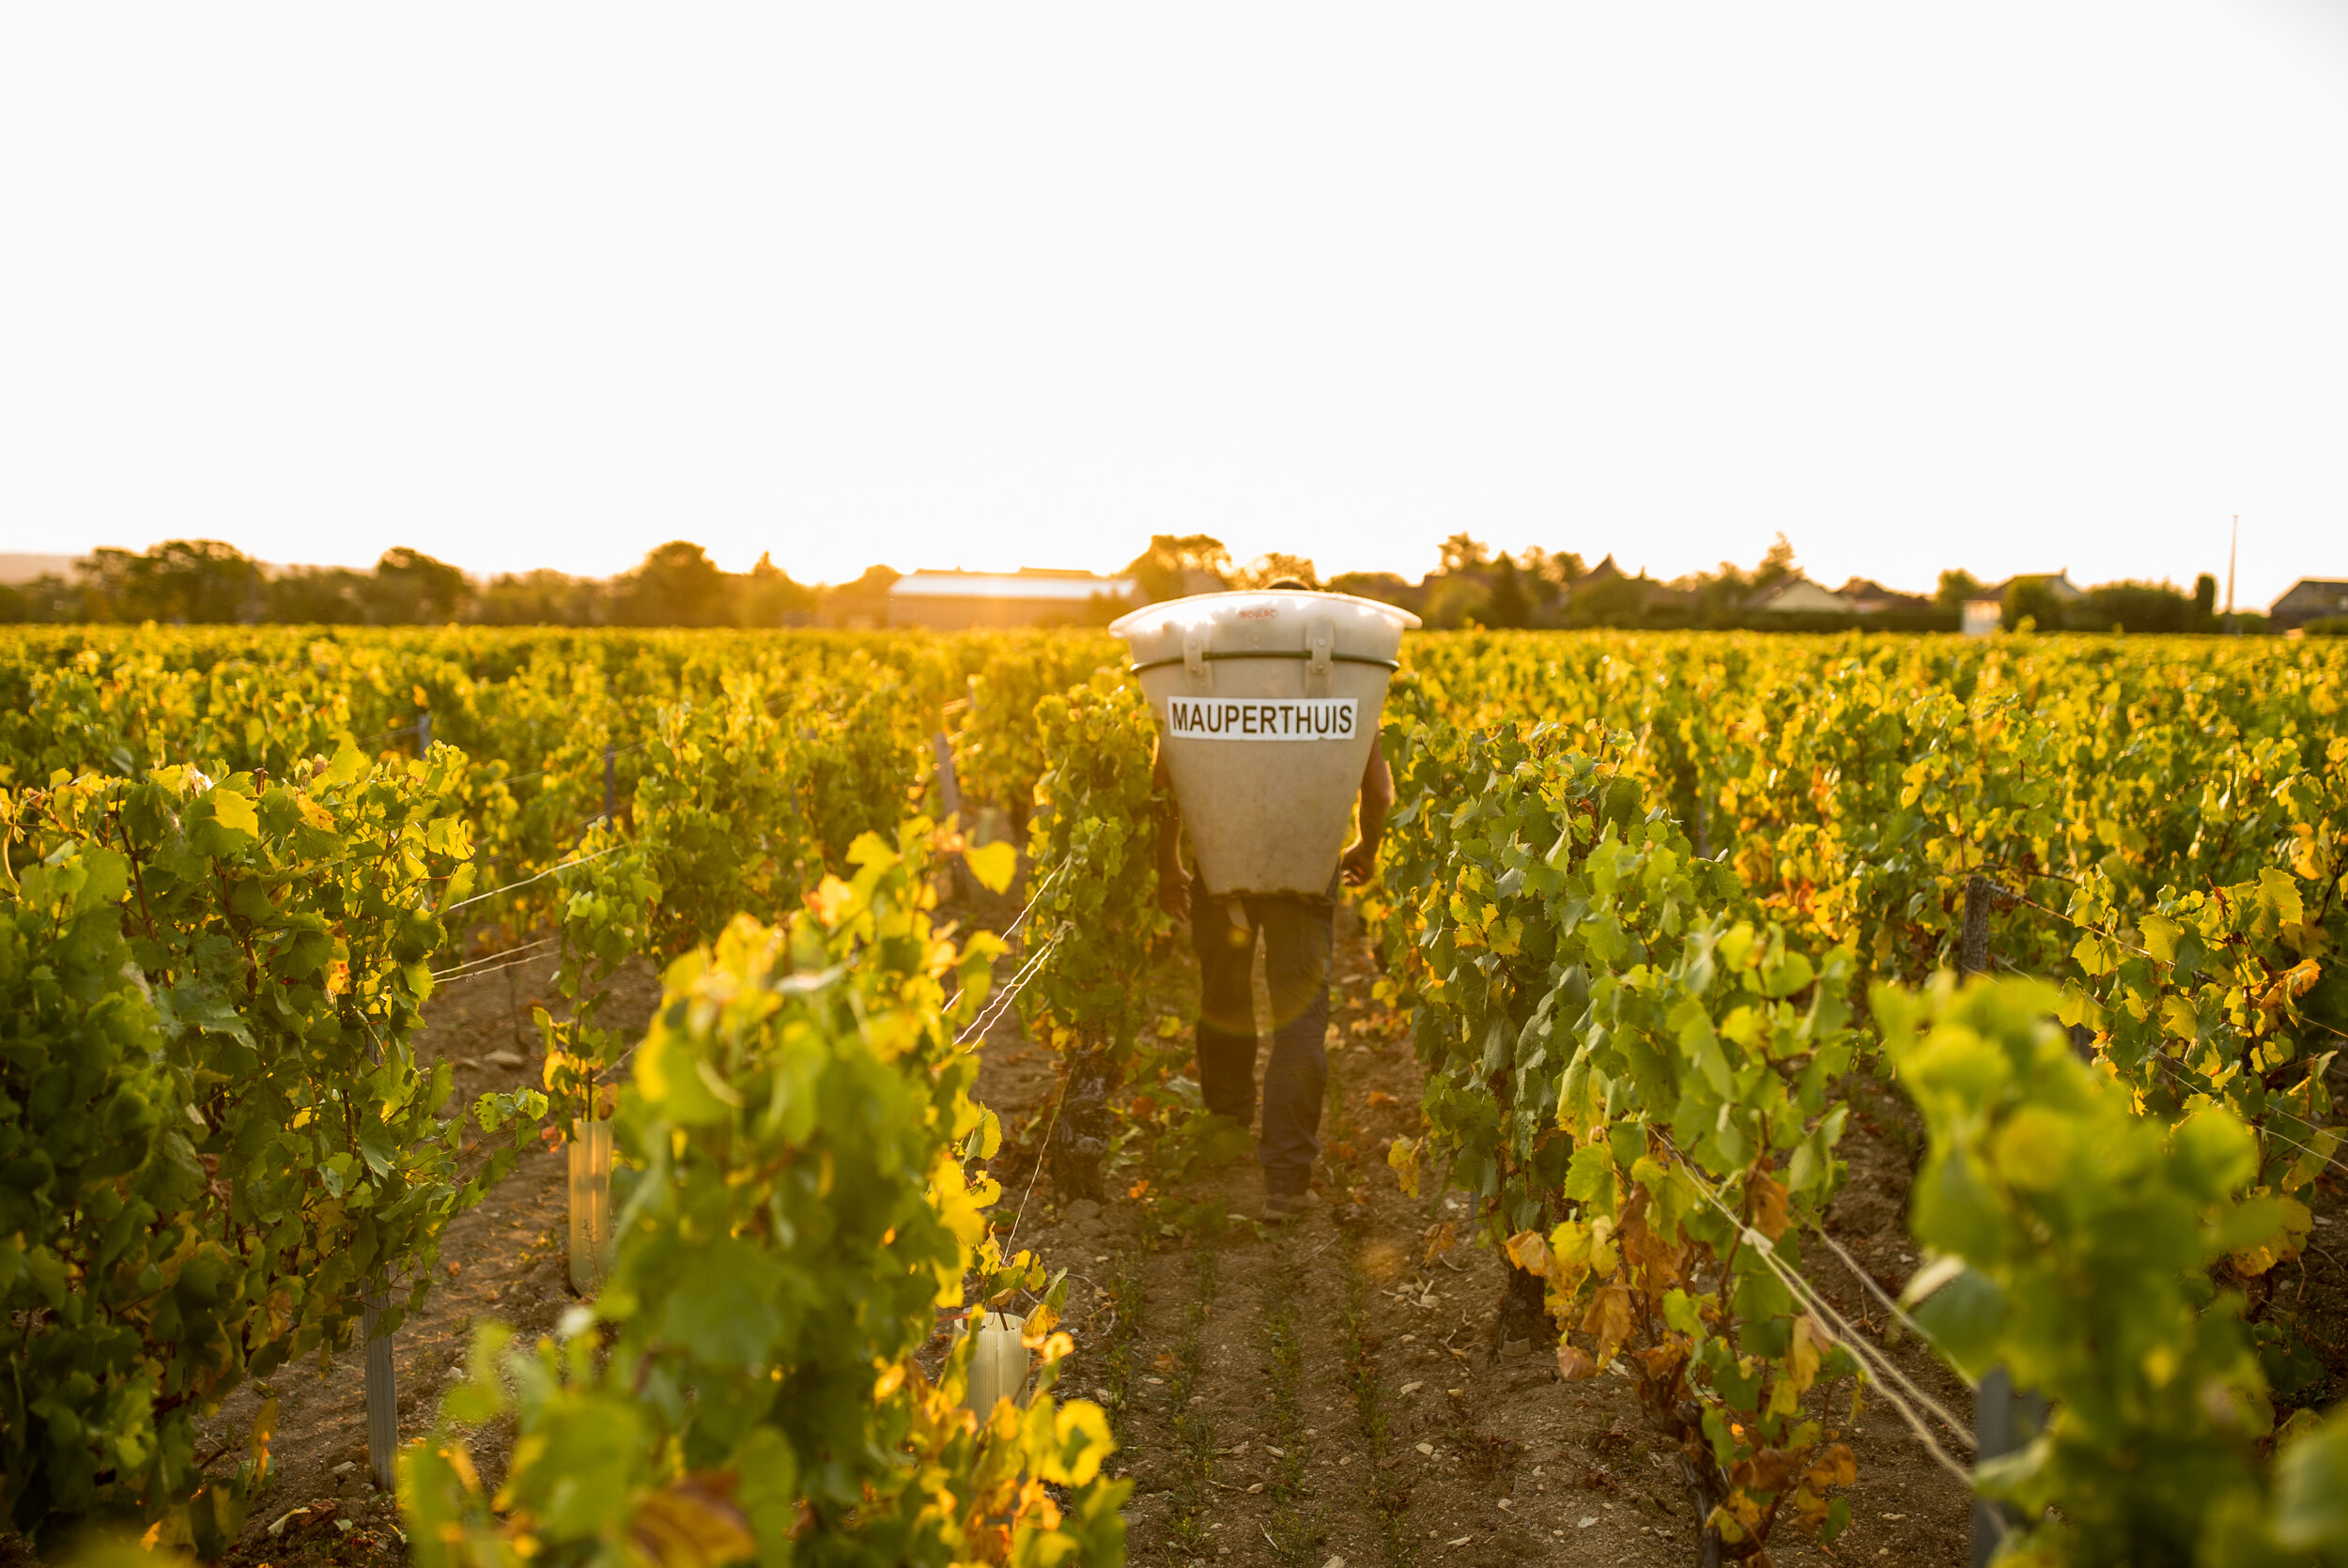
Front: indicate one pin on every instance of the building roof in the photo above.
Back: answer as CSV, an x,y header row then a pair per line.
x,y
1798,596
1028,583
2315,593
1866,591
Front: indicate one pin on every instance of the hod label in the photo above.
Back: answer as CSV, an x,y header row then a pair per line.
x,y
1260,719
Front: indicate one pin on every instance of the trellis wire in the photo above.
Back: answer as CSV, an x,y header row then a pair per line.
x,y
541,876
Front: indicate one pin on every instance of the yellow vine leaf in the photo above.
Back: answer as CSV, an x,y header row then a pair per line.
x,y
2292,983
1529,1251
992,864
691,1523
235,811
1403,1155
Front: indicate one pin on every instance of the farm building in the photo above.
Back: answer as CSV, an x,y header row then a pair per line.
x,y
1799,596
2310,599
1869,597
1031,596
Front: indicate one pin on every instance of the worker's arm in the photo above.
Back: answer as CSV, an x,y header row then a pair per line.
x,y
1377,800
1173,882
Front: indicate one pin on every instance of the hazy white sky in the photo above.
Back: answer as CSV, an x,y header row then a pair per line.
x,y
2011,286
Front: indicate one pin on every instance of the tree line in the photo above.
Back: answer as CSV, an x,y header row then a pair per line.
x,y
1474,584
188,581
191,581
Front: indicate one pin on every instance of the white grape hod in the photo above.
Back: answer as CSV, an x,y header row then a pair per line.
x,y
1267,706
998,1364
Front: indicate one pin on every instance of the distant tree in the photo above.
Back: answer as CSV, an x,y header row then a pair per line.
x,y
1384,587
1508,605
1274,565
861,603
319,597
2032,599
1777,567
766,596
205,580
2132,606
542,598
1549,577
1165,569
14,609
1956,586
108,581
1716,598
1611,601
2204,603
184,581
410,587
1456,598
1562,568
677,585
1464,554
51,600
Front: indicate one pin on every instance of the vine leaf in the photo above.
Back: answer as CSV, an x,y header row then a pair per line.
x,y
994,864
692,1523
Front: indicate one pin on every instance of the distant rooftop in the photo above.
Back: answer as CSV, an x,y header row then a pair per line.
x,y
1031,583
2058,584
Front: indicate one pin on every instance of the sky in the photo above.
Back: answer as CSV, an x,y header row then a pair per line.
x,y
2004,286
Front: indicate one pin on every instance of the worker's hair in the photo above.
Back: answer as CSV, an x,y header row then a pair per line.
x,y
1279,583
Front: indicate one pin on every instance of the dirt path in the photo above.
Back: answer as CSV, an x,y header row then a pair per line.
x,y
1327,1390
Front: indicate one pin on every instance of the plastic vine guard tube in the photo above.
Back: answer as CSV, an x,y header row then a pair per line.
x,y
591,1204
1267,706
998,1366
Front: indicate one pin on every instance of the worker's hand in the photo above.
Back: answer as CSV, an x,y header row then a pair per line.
x,y
1174,893
1360,862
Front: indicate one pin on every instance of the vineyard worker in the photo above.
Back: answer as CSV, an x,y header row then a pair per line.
x,y
1299,937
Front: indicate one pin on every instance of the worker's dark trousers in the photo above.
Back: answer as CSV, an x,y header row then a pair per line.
x,y
1298,935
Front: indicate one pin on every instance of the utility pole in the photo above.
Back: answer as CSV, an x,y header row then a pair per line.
x,y
2231,545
